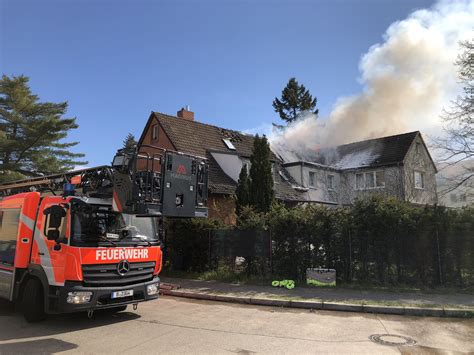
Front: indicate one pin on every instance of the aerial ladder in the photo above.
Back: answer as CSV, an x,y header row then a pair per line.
x,y
91,239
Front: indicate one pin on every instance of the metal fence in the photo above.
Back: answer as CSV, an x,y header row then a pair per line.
x,y
211,247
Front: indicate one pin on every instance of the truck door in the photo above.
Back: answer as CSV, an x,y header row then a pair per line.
x,y
9,221
47,253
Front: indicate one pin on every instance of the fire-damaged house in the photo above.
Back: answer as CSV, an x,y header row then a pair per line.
x,y
399,166
226,151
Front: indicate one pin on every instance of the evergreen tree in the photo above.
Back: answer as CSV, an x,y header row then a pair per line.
x,y
242,191
294,100
261,193
32,133
129,143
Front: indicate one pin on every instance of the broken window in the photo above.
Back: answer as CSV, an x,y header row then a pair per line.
x,y
331,182
419,180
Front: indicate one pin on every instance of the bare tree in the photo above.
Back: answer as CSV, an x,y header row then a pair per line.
x,y
457,145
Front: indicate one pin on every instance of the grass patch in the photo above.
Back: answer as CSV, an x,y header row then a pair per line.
x,y
226,274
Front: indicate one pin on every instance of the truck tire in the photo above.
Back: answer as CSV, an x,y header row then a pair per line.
x,y
33,301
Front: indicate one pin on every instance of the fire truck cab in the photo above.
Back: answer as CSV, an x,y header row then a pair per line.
x,y
79,252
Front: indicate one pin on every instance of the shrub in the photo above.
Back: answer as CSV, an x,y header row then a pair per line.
x,y
378,241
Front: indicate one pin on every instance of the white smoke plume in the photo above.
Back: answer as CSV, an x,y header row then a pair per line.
x,y
407,81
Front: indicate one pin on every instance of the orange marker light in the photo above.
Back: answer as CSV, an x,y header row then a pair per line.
x,y
76,180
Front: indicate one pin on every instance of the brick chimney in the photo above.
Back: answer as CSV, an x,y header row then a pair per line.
x,y
186,114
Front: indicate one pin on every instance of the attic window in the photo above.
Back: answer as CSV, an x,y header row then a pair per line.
x,y
154,132
228,143
419,180
418,148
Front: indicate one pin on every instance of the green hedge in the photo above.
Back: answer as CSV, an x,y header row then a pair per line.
x,y
377,241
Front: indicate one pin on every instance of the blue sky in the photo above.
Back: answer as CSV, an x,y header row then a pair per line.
x,y
116,61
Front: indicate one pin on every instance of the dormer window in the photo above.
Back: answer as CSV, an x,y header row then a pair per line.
x,y
228,143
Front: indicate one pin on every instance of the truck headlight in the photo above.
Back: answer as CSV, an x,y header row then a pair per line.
x,y
152,289
79,297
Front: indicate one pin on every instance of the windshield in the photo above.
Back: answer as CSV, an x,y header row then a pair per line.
x,y
95,224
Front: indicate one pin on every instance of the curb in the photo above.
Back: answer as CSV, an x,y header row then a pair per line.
x,y
327,306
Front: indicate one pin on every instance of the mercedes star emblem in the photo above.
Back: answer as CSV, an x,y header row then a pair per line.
x,y
123,267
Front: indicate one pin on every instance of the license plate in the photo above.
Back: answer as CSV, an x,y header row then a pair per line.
x,y
121,294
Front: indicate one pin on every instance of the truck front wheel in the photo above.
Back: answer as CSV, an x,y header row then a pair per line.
x,y
33,301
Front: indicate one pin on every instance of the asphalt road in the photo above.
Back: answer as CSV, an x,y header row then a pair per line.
x,y
172,325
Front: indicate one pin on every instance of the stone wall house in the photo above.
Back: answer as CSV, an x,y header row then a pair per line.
x,y
399,166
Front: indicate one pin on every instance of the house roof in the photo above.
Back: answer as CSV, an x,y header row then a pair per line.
x,y
201,139
369,153
198,138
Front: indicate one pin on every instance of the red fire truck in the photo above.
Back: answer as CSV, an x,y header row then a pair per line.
x,y
90,239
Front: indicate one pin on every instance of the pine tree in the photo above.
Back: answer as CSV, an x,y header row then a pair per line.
x,y
32,133
294,100
129,143
261,193
242,191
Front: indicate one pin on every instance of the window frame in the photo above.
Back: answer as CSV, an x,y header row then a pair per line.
x,y
331,178
228,143
313,182
422,179
364,180
372,174
12,241
154,132
417,147
375,177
